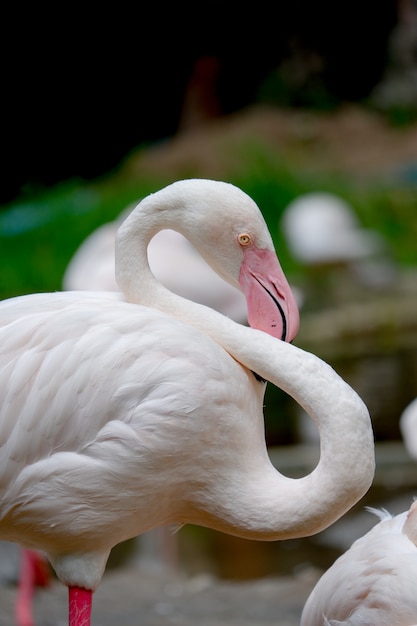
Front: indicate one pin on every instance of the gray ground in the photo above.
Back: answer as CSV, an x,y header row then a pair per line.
x,y
131,597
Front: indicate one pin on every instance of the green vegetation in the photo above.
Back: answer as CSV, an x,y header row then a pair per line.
x,y
39,233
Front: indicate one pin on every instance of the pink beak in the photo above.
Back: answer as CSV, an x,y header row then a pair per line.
x,y
270,301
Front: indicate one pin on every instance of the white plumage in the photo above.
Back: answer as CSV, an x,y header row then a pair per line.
x,y
117,417
374,582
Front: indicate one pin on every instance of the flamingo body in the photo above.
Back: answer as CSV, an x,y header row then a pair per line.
x,y
373,583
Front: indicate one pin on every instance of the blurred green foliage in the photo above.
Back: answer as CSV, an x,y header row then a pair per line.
x,y
39,233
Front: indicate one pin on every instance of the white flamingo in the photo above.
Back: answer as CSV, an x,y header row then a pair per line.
x,y
374,582
117,417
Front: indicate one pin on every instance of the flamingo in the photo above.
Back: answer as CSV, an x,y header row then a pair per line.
x,y
123,413
408,428
323,233
172,259
373,582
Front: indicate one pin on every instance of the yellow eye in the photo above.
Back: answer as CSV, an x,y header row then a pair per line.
x,y
244,239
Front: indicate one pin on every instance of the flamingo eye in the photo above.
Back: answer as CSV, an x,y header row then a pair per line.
x,y
244,239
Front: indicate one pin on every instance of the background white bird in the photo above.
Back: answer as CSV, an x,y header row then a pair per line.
x,y
408,428
341,258
374,582
173,260
118,418
322,228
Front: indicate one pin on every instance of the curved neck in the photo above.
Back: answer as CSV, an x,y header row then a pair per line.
x,y
138,283
277,507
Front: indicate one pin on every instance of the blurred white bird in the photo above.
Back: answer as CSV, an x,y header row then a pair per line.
x,y
173,260
121,416
323,233
374,582
408,428
320,228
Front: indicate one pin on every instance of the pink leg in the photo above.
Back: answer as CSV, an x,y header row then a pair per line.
x,y
33,572
80,603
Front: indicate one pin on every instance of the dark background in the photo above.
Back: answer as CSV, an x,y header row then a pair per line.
x,y
82,88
